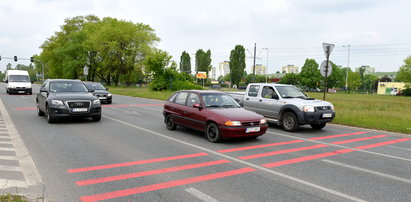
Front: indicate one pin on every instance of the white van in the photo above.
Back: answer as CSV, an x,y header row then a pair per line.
x,y
17,81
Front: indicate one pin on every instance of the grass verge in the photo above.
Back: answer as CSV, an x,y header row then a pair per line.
x,y
12,198
389,113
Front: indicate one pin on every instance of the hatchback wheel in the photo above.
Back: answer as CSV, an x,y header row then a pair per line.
x,y
290,122
170,122
213,133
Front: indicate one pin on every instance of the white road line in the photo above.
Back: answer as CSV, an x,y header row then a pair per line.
x,y
151,109
30,172
399,147
345,147
14,158
11,168
5,183
291,178
368,171
372,130
200,195
7,149
6,142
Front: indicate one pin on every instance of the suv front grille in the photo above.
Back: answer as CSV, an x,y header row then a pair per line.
x,y
323,108
78,104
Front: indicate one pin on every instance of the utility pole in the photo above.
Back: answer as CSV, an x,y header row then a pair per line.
x,y
348,66
255,50
266,68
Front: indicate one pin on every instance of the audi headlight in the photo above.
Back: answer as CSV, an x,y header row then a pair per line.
x,y
232,123
96,102
109,95
332,107
263,121
308,108
57,102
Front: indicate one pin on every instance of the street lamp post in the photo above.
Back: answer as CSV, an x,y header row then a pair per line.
x,y
266,68
348,66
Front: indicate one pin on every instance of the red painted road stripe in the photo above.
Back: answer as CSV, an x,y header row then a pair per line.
x,y
282,152
382,143
334,136
25,108
359,139
164,185
284,143
259,146
306,148
317,156
101,167
306,158
151,172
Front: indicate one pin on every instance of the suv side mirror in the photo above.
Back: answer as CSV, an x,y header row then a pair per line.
x,y
6,81
275,96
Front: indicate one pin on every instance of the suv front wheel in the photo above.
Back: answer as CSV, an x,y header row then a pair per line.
x,y
290,122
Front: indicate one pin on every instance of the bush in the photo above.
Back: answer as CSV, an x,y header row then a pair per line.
x,y
184,85
406,92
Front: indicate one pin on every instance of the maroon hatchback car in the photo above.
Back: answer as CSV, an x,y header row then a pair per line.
x,y
214,112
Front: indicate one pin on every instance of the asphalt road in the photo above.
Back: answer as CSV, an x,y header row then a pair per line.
x,y
130,156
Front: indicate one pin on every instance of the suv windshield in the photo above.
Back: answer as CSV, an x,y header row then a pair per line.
x,y
290,92
19,78
219,100
95,86
67,86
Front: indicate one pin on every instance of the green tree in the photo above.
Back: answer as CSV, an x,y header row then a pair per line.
x,y
354,81
369,82
203,61
8,66
404,74
310,74
185,63
237,64
336,79
291,78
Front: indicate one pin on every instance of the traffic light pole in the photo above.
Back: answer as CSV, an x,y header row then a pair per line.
x,y
31,60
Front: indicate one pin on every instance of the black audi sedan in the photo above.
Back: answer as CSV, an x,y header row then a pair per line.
x,y
100,92
59,98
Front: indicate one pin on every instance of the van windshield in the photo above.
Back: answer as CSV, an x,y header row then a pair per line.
x,y
19,78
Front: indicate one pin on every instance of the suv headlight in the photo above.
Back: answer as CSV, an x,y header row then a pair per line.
x,y
232,123
96,102
57,102
308,108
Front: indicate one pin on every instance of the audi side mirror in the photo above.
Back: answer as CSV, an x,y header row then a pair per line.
x,y
90,90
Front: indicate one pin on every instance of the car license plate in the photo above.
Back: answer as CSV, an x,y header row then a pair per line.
x,y
252,129
79,110
102,98
20,91
327,115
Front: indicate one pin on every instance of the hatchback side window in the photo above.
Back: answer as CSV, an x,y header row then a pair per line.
x,y
253,91
181,98
193,99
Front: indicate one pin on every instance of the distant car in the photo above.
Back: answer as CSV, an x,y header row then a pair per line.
x,y
214,112
215,86
100,92
59,98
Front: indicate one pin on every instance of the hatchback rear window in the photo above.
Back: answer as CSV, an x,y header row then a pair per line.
x,y
181,98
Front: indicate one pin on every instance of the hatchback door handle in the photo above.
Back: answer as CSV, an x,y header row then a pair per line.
x,y
247,99
260,100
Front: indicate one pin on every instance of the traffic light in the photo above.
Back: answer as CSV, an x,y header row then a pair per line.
x,y
15,58
31,59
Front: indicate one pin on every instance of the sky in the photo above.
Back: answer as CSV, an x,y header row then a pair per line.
x,y
286,32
